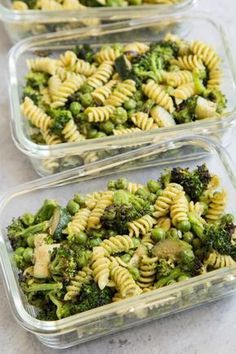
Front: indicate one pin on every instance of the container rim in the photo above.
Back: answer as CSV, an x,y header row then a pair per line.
x,y
34,150
64,325
9,14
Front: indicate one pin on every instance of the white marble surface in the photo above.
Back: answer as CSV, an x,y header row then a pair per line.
x,y
209,329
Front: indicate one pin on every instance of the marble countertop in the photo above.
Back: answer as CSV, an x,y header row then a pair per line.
x,y
203,330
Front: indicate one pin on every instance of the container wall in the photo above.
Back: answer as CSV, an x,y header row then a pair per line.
x,y
136,167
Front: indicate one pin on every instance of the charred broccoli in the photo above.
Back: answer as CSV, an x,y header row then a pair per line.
x,y
61,117
193,182
185,112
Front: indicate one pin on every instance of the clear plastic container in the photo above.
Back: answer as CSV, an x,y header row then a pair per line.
x,y
139,165
49,159
22,24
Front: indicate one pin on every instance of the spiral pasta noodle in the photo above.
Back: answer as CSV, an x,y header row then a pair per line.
x,y
147,241
121,93
71,133
97,212
124,282
84,276
142,121
79,221
133,187
148,268
107,54
207,54
102,93
183,92
36,115
69,86
99,114
100,266
140,226
189,62
214,79
158,95
217,260
178,78
19,6
92,199
179,209
46,65
165,200
101,75
116,244
68,60
164,223
216,206
82,67
136,48
126,131
50,139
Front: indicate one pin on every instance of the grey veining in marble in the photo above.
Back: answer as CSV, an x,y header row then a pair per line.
x,y
209,329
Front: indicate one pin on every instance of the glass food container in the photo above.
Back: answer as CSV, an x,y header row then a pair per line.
x,y
138,166
22,24
50,159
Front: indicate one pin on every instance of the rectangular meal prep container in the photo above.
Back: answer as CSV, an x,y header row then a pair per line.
x,y
22,24
139,166
50,159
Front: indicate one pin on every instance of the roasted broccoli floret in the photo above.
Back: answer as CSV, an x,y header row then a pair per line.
x,y
85,51
185,112
46,211
91,296
155,60
32,93
165,267
218,97
36,79
63,263
193,182
219,235
176,274
126,207
61,117
123,68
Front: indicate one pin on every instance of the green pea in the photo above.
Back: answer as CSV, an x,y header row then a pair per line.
x,y
125,257
30,241
98,234
158,234
134,272
152,198
187,256
94,242
135,2
28,254
130,104
86,100
119,116
184,226
171,281
85,88
174,233
121,183
188,237
92,133
138,95
107,127
196,243
27,219
78,198
75,108
19,251
72,207
153,186
81,238
136,242
183,277
111,185
158,193
100,135
83,258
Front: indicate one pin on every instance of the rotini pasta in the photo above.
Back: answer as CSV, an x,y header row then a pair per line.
x,y
79,221
158,95
36,115
99,114
216,206
141,226
179,209
83,277
142,121
165,200
116,244
121,93
102,93
71,133
148,268
217,260
100,266
46,65
124,282
96,213
206,53
101,75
